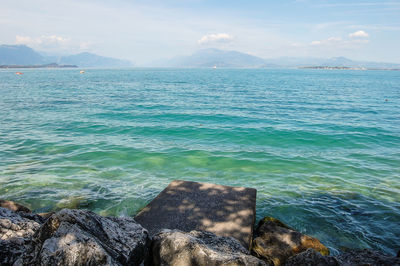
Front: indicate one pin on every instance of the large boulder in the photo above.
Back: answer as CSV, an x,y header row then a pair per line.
x,y
77,237
174,247
366,257
15,234
310,257
276,242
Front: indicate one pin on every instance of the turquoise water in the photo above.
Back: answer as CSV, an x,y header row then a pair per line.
x,y
322,147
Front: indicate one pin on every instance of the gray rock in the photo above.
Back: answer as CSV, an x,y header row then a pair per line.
x,y
277,242
310,257
9,252
174,247
22,211
15,234
366,257
77,237
32,216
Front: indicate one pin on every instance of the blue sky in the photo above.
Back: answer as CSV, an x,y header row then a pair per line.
x,y
143,31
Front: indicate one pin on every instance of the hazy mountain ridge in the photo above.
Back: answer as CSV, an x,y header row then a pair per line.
x,y
92,60
221,58
215,57
332,62
24,55
20,55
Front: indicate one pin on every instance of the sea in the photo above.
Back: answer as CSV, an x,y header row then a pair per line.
x,y
322,147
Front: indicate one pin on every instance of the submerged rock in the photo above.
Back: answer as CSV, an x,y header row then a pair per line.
x,y
13,206
15,233
77,237
277,242
22,211
366,257
174,247
310,257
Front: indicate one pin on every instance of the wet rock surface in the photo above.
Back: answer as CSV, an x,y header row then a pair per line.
x,y
174,247
76,237
13,206
366,257
15,234
277,242
310,257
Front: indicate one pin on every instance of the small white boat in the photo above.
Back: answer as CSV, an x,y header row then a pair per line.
x,y
82,71
214,67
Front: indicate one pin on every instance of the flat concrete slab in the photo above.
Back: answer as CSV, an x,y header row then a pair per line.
x,y
186,205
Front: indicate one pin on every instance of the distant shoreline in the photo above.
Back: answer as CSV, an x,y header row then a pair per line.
x,y
347,68
53,65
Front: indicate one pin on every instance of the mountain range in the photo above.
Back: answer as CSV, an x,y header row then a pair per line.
x,y
222,58
213,57
24,55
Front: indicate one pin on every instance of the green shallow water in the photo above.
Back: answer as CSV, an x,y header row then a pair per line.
x,y
321,147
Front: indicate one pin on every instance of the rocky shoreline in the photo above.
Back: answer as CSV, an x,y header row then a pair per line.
x,y
79,237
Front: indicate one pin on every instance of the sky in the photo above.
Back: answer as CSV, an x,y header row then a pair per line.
x,y
143,31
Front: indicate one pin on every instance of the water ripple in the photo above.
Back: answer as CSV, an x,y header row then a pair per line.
x,y
321,147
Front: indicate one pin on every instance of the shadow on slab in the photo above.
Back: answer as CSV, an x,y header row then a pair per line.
x,y
187,206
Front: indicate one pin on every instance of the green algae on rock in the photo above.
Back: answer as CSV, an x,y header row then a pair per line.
x,y
277,242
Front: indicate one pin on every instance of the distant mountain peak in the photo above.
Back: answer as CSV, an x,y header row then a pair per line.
x,y
211,57
84,53
24,55
20,55
340,58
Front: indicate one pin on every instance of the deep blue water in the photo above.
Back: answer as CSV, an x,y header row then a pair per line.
x,y
321,147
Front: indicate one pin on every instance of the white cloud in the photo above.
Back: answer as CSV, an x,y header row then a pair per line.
x,y
359,41
359,34
315,42
215,38
42,40
338,43
52,43
329,41
334,39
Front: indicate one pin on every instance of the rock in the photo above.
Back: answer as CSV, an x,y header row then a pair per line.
x,y
9,252
310,257
174,247
46,215
32,216
15,233
13,206
277,242
366,257
22,211
77,237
